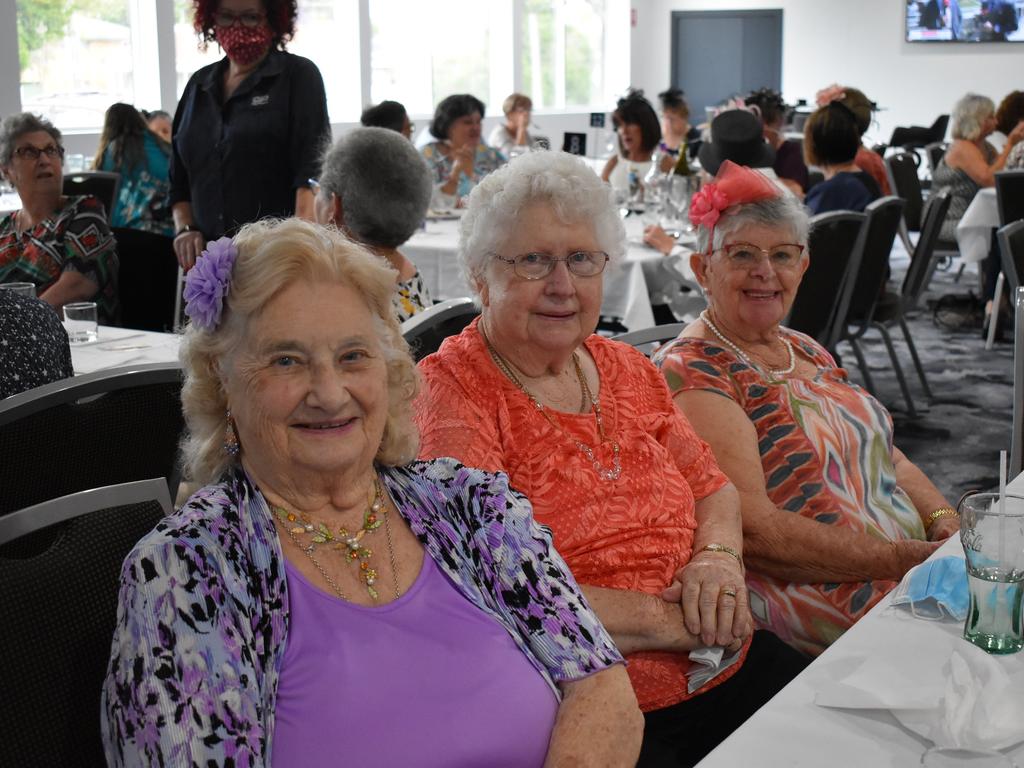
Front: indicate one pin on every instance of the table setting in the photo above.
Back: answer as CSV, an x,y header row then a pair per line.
x,y
117,347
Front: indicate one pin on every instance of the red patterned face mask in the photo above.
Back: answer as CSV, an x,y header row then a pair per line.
x,y
242,44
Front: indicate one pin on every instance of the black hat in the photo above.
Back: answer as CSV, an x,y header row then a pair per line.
x,y
736,135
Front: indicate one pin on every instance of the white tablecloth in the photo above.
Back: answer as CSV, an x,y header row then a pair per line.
x,y
627,285
117,347
974,232
9,201
791,730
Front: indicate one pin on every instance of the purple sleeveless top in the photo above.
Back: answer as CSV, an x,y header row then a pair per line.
x,y
426,680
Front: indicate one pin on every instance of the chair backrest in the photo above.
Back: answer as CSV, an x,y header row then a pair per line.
x,y
833,236
921,267
1017,428
935,151
645,339
1010,195
1011,250
938,129
905,183
147,279
875,243
100,184
60,571
102,428
425,330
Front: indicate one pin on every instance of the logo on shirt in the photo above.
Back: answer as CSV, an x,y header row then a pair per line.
x,y
259,101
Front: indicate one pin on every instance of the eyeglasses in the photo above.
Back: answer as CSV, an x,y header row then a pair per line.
x,y
535,266
783,256
314,185
52,151
247,19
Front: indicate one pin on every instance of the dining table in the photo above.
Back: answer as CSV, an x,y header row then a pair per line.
x,y
902,655
630,283
974,231
118,347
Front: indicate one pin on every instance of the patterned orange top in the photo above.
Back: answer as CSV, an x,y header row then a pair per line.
x,y
633,533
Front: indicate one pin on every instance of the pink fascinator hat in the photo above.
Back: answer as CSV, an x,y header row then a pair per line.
x,y
734,185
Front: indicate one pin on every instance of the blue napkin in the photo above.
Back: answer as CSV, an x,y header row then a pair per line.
x,y
935,590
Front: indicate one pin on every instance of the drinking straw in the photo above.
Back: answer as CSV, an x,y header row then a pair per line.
x,y
1002,508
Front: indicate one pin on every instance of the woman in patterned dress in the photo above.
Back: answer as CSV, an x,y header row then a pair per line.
x,y
833,513
322,600
375,187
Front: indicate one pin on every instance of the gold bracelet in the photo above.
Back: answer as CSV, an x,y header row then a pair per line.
x,y
940,512
724,549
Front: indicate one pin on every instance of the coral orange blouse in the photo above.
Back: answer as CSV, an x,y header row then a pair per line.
x,y
633,533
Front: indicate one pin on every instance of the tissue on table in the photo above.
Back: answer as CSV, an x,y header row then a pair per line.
x,y
936,589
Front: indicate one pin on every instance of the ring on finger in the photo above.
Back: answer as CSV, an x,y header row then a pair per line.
x,y
729,591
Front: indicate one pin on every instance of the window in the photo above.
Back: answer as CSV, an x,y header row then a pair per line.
x,y
327,33
562,53
188,53
76,59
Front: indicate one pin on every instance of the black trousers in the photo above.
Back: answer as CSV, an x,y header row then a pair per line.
x,y
683,734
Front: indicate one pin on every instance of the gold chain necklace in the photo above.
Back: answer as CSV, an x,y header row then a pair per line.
x,y
744,356
352,543
603,472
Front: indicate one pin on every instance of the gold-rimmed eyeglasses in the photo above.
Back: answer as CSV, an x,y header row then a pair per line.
x,y
746,256
536,266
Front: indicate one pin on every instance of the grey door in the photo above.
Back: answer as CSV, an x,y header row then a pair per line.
x,y
718,54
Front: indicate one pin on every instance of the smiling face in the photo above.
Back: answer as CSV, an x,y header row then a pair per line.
x,y
31,176
750,298
531,318
465,130
308,389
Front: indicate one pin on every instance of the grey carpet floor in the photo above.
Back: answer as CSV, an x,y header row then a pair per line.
x,y
957,437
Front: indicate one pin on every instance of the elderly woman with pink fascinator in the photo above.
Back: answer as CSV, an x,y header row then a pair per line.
x,y
833,513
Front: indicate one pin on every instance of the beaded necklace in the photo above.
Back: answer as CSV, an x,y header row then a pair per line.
x,y
603,472
355,552
744,356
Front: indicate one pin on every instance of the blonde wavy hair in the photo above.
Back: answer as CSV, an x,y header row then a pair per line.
x,y
272,255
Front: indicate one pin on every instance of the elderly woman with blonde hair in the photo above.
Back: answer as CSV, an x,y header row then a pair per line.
x,y
322,594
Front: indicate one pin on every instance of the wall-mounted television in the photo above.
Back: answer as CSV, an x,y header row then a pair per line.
x,y
965,21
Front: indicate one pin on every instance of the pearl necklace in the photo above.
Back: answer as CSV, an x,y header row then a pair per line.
x,y
744,356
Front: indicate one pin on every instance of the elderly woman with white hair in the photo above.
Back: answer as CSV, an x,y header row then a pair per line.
x,y
586,428
323,595
376,188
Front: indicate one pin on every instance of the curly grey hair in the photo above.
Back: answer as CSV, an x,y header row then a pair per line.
x,y
383,183
16,126
564,182
271,256
969,116
782,211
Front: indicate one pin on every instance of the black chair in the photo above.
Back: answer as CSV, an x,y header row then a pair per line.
x,y
648,339
904,181
60,565
1010,196
1011,251
147,279
100,184
1017,427
935,152
102,428
425,330
875,244
917,136
828,281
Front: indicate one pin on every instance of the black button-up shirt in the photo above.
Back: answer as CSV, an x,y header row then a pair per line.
x,y
243,159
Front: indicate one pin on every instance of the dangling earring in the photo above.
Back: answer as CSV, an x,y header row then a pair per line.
x,y
231,446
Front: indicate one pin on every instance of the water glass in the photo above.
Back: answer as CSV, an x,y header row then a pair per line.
x,y
80,322
25,289
992,533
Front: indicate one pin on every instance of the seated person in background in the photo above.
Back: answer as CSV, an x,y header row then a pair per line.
x,y
676,131
1008,116
638,131
585,427
375,187
833,513
458,159
390,115
831,140
789,163
513,137
35,348
159,122
61,244
323,593
862,108
141,158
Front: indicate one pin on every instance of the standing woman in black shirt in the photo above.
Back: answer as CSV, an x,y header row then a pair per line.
x,y
249,129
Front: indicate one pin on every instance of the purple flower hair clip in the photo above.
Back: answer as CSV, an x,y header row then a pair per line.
x,y
206,285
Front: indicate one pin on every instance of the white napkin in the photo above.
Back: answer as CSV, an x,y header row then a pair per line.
x,y
709,663
938,686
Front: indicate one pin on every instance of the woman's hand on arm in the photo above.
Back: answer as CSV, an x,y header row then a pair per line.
x,y
641,622
70,286
187,245
598,722
657,238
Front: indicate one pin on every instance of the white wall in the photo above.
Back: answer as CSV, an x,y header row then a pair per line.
x,y
853,42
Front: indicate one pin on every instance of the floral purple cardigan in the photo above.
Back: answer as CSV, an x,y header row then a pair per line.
x,y
202,619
